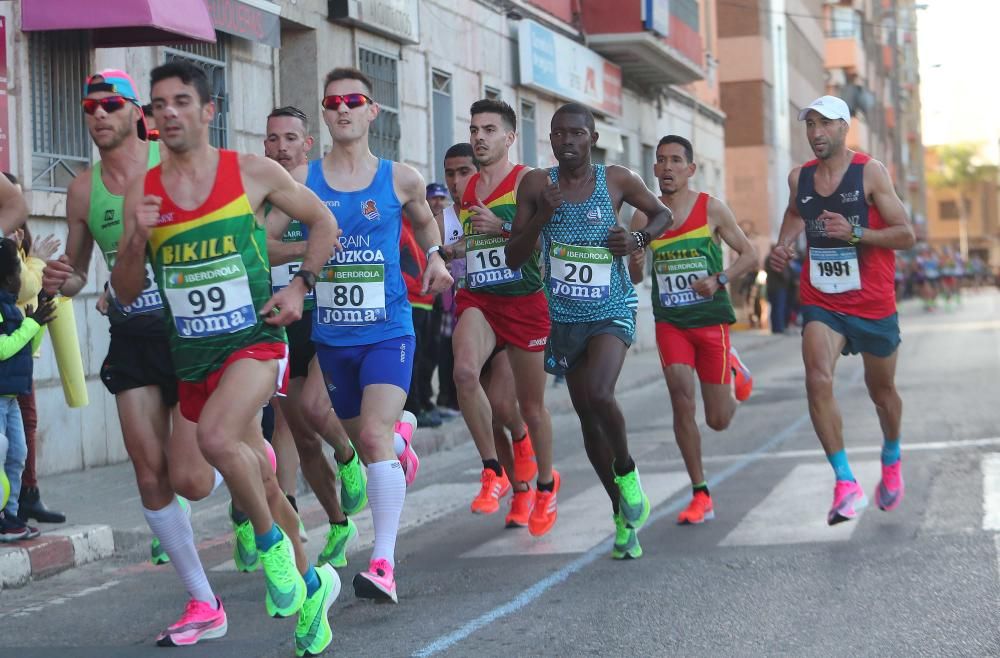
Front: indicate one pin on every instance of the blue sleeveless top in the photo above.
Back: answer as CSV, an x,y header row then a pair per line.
x,y
584,281
360,293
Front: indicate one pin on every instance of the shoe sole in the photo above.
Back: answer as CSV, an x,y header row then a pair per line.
x,y
840,518
366,589
212,634
708,517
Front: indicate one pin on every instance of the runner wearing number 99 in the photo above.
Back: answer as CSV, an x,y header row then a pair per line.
x,y
692,308
853,220
574,208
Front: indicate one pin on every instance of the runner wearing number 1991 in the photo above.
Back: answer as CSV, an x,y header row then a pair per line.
x,y
362,326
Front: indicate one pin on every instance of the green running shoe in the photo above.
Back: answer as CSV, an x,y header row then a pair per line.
x,y
626,541
245,553
633,504
353,486
312,631
286,590
156,553
335,551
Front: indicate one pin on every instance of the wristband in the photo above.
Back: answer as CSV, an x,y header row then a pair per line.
x,y
641,239
308,278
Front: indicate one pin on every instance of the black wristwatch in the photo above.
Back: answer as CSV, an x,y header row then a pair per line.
x,y
722,278
307,277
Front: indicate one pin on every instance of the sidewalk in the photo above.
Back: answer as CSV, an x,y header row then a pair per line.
x,y
105,515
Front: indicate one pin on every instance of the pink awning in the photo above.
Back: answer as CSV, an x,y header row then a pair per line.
x,y
118,23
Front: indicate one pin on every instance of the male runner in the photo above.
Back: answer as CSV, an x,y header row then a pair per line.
x,y
138,369
195,214
501,307
574,207
496,379
288,142
853,222
362,326
692,308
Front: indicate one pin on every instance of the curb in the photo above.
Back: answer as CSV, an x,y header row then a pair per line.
x,y
55,551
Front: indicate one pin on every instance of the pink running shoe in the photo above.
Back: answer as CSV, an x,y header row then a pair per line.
x,y
411,463
848,500
199,622
377,583
889,493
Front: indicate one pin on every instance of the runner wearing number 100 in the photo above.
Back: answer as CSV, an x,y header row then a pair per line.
x,y
692,309
853,220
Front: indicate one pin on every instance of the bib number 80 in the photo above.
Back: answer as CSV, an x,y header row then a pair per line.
x,y
200,300
348,296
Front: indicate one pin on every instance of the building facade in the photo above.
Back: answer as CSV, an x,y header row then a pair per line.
x,y
647,68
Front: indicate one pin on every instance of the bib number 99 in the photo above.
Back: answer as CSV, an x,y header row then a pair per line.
x,y
200,301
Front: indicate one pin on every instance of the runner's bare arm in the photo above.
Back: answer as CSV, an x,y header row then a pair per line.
x,y
68,273
791,226
637,259
723,220
142,212
279,252
898,233
537,200
13,208
412,191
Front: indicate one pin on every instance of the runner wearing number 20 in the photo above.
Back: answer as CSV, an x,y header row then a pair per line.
x,y
853,220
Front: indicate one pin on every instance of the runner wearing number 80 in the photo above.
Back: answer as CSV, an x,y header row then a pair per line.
x,y
853,220
692,309
574,208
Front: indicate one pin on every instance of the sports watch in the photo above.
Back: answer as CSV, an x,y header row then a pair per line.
x,y
308,278
722,278
856,234
435,249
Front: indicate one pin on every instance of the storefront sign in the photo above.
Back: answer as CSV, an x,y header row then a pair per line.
x,y
656,16
255,20
552,63
396,19
4,121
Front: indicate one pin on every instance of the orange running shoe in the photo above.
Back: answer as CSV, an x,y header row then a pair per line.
x,y
699,511
543,517
742,378
525,464
521,504
494,488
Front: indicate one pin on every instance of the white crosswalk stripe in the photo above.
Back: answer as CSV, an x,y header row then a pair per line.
x,y
991,491
795,510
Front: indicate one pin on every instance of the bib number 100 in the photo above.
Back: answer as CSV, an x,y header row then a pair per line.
x,y
834,268
212,300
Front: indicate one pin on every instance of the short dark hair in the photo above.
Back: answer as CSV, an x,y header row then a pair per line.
x,y
579,110
188,73
496,106
460,150
683,141
348,73
291,111
9,259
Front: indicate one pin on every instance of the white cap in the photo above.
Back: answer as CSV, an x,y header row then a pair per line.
x,y
829,106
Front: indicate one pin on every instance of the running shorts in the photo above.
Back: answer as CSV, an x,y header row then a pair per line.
x,y
135,361
568,342
520,321
876,337
348,370
300,346
194,395
706,349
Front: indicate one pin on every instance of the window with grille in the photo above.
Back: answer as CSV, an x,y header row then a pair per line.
x,y
384,133
443,109
60,145
529,134
492,93
211,58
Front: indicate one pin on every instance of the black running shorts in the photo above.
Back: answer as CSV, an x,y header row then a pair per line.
x,y
135,361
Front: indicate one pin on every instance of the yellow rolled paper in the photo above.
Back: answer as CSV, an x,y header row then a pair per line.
x,y
66,345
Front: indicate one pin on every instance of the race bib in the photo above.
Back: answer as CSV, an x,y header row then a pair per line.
x,y
210,299
486,262
580,272
148,301
281,277
675,278
834,270
351,295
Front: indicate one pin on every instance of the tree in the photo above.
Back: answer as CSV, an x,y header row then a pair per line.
x,y
961,167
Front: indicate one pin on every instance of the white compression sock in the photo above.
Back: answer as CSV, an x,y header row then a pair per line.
x,y
398,444
218,480
386,492
172,527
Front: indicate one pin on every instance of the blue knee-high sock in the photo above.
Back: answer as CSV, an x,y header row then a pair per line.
x,y
841,468
268,539
890,451
312,581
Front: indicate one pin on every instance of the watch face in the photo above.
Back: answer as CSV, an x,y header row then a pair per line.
x,y
723,279
857,231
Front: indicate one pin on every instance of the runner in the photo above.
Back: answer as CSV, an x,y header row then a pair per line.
x,y
574,207
853,222
692,308
138,369
502,308
225,335
497,378
306,409
362,325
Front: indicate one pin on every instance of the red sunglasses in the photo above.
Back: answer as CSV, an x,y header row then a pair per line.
x,y
352,101
109,104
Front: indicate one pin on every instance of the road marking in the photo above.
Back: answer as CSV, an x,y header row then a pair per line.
x,y
795,510
924,446
59,600
991,491
421,506
583,521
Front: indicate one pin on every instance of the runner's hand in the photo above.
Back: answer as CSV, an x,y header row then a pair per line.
x,y
638,258
46,311
484,221
103,303
706,286
56,274
436,277
780,256
147,215
836,226
550,199
284,307
621,242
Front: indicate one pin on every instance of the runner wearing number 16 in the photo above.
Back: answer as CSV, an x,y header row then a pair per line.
x,y
574,207
692,309
853,222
